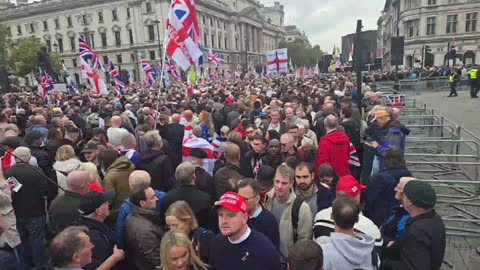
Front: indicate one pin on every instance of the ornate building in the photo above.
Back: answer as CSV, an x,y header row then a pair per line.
x,y
240,31
434,23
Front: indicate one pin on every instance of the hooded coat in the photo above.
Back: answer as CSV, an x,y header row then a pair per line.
x,y
334,149
116,178
62,169
347,252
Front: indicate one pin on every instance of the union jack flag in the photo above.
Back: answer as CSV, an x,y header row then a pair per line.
x,y
183,42
214,58
47,84
150,74
171,70
88,53
396,101
117,78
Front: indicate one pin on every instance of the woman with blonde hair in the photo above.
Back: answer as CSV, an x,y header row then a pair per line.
x,y
206,123
95,180
180,217
176,253
65,162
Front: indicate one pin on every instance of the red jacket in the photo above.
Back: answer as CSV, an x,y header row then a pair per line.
x,y
334,149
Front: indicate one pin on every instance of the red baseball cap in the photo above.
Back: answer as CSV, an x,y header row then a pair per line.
x,y
349,185
233,202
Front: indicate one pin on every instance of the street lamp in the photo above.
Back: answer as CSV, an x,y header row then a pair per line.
x,y
157,22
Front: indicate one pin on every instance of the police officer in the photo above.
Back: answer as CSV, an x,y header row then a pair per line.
x,y
473,75
453,79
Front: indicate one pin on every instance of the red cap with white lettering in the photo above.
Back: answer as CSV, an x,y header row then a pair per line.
x,y
233,202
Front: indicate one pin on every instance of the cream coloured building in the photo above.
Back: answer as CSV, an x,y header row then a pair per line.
x,y
241,31
433,23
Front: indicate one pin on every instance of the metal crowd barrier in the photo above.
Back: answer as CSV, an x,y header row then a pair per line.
x,y
448,156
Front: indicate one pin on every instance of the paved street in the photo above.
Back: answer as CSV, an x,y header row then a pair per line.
x,y
461,110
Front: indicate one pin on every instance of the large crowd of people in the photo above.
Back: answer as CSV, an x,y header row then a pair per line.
x,y
255,173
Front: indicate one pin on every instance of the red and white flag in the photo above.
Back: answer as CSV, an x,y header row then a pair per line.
x,y
277,61
183,34
92,76
199,143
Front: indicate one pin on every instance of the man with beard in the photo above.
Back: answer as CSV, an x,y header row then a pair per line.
x,y
316,196
273,159
252,160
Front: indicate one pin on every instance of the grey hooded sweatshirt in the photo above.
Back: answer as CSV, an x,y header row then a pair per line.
x,y
348,253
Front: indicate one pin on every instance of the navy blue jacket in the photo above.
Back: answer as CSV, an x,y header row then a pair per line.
x,y
267,224
381,194
254,253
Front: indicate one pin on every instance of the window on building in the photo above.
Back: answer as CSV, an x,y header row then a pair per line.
x,y
408,4
19,29
211,21
77,78
45,25
119,59
213,40
152,55
130,35
471,22
204,19
205,39
431,25
69,22
31,27
128,13
132,57
100,17
432,2
91,40
235,27
74,62
236,43
226,47
219,42
62,61
410,29
114,15
118,39
105,59
149,7
224,26
103,37
452,24
72,43
84,19
57,23
151,32
49,44
228,58
218,23
60,44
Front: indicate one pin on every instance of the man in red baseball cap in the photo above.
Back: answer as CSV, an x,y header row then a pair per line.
x,y
323,224
238,247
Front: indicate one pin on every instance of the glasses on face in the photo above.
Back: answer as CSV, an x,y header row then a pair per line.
x,y
247,199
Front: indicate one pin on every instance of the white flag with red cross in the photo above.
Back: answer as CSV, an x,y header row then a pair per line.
x,y
277,61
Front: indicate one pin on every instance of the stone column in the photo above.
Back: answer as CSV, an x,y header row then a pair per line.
x,y
242,36
255,39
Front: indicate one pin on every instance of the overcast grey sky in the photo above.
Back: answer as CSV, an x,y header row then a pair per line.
x,y
326,21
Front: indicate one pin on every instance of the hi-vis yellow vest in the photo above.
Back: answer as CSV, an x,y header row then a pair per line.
x,y
473,74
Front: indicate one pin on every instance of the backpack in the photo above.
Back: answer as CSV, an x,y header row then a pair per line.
x,y
295,216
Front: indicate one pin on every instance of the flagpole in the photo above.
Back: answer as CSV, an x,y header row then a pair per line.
x,y
161,80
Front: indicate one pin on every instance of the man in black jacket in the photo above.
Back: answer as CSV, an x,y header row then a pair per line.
x,y
29,204
174,135
94,209
200,202
203,180
34,140
156,162
422,245
252,160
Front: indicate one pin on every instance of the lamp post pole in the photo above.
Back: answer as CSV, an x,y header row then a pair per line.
x,y
157,22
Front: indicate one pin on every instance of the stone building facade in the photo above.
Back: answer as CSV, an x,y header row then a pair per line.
x,y
240,31
434,23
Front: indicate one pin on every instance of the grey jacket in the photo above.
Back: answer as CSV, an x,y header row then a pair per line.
x,y
10,235
347,252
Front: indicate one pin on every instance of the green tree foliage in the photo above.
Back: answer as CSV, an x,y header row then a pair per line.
x,y
4,44
302,53
23,55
